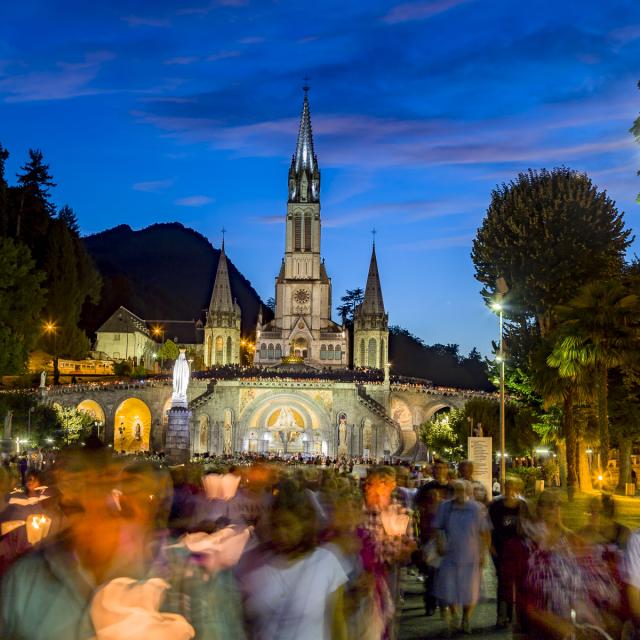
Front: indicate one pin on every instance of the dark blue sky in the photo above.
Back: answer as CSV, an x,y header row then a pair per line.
x,y
188,110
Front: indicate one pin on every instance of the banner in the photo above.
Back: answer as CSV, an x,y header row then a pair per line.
x,y
480,454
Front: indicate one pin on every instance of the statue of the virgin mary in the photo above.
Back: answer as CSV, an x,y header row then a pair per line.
x,y
181,377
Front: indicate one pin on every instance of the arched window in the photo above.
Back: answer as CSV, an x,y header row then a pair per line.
x,y
323,352
229,350
337,355
219,349
363,362
383,355
263,351
270,352
330,352
307,231
297,232
372,353
278,352
208,360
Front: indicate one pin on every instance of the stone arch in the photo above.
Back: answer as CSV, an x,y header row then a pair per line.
x,y
132,426
436,407
92,408
372,353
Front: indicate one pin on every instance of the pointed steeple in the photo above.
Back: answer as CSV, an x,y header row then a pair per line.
x,y
221,300
304,174
304,157
372,303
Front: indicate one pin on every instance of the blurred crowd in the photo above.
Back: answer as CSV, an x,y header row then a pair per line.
x,y
100,546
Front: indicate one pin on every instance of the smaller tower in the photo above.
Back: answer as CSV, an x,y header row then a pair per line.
x,y
222,330
371,323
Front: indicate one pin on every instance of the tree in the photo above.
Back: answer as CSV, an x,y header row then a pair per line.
x,y
169,350
439,435
598,331
67,215
271,304
74,424
350,301
21,299
635,130
4,221
72,281
35,181
546,233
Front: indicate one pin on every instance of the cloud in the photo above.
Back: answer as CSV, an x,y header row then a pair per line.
x,y
445,242
222,55
146,21
152,186
66,80
181,60
194,201
252,40
410,11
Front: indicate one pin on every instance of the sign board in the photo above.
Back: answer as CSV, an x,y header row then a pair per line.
x,y
480,454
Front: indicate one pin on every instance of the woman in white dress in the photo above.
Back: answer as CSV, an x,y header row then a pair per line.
x,y
292,588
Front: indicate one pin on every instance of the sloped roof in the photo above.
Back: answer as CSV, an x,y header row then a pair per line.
x,y
123,321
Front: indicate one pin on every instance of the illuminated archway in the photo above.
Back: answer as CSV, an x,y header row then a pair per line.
x,y
92,408
132,426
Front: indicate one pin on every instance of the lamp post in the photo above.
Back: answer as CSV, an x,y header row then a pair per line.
x,y
159,331
51,328
501,291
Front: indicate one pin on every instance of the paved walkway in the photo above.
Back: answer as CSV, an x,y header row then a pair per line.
x,y
414,625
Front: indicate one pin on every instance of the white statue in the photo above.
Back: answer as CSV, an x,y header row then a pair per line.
x,y
342,437
181,377
43,377
227,446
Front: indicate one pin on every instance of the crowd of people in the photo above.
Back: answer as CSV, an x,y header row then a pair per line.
x,y
95,545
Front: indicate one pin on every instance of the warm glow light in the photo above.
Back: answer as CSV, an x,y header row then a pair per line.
x,y
600,478
49,327
496,306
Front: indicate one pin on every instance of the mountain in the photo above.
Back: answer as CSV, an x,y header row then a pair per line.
x,y
162,272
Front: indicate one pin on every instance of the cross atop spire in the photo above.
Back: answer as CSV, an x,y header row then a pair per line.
x,y
373,233
305,86
223,231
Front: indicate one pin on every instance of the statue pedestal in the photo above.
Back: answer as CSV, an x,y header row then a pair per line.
x,y
177,446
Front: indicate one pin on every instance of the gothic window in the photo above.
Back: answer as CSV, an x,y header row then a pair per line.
x,y
372,353
297,230
307,232
382,354
338,353
270,351
219,349
363,362
278,352
263,351
323,352
207,355
330,352
229,350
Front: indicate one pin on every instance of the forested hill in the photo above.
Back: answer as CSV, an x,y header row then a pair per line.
x,y
442,364
163,272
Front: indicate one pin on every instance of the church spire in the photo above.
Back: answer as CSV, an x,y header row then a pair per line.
x,y
373,303
304,174
221,300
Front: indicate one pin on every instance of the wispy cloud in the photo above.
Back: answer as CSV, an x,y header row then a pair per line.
x,y
194,201
444,242
69,79
182,60
410,11
152,186
223,55
146,21
252,40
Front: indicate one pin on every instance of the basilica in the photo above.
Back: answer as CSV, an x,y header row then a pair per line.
x,y
302,330
302,400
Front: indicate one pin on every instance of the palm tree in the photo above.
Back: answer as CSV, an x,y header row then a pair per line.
x,y
597,331
564,392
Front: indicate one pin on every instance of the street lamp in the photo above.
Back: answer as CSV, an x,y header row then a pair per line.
x,y
51,328
501,290
159,331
